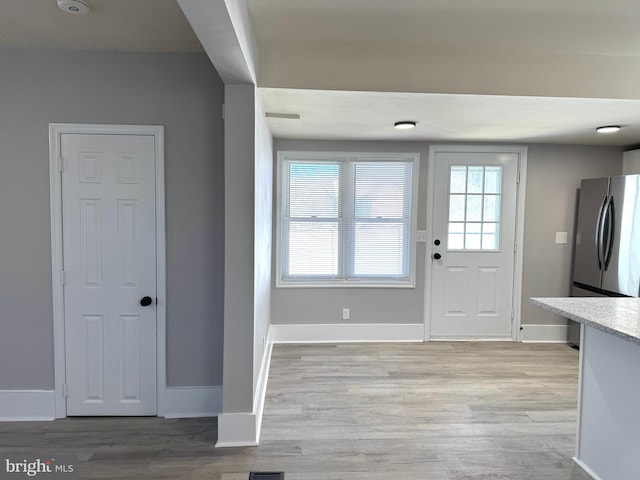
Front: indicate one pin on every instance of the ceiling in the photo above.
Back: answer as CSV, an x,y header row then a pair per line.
x,y
111,25
468,70
604,27
339,115
465,70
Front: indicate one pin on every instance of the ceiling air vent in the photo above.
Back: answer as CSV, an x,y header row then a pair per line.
x,y
266,476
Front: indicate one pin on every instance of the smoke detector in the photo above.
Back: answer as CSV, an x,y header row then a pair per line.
x,y
74,7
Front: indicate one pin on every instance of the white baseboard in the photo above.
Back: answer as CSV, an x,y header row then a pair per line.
x,y
261,387
243,429
586,469
347,332
446,338
27,405
187,402
39,405
544,333
237,430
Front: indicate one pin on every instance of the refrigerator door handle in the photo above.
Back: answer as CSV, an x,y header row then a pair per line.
x,y
607,222
600,232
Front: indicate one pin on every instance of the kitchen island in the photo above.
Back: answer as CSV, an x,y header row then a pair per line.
x,y
608,439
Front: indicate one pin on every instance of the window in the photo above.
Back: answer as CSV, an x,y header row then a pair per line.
x,y
474,207
346,219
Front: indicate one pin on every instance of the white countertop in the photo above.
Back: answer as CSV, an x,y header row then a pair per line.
x,y
616,316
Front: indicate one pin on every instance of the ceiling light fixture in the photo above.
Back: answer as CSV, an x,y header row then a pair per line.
x,y
405,125
608,129
74,7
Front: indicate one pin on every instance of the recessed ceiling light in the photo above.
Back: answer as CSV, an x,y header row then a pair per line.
x,y
608,129
405,125
74,7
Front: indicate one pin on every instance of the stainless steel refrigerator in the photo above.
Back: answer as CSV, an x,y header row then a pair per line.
x,y
607,249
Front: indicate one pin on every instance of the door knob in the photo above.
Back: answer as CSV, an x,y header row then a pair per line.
x,y
146,301
437,256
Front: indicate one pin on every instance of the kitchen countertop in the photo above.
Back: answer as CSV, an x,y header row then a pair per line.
x,y
617,316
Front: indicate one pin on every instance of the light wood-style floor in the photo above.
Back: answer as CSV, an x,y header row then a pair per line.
x,y
435,411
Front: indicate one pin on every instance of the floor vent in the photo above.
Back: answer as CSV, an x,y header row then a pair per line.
x,y
266,476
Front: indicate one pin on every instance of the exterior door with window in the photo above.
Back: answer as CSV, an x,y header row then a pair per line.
x,y
472,264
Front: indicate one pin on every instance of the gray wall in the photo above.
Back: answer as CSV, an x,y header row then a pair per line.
x,y
262,235
239,310
248,219
553,180
181,92
553,175
368,305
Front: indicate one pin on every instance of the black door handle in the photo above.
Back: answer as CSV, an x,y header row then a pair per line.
x,y
437,256
146,301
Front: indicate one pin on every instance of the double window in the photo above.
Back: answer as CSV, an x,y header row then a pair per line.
x,y
346,219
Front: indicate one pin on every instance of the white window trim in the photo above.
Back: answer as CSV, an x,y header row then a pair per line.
x,y
343,157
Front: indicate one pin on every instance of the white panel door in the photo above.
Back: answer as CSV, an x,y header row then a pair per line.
x,y
473,244
109,238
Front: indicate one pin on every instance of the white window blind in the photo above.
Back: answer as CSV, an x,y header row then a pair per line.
x,y
381,220
346,219
312,219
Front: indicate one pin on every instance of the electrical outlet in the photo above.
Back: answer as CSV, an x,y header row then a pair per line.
x,y
346,313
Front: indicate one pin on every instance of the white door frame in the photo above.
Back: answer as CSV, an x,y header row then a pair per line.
x,y
519,236
55,178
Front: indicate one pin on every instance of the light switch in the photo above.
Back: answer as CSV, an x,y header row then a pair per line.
x,y
561,237
421,236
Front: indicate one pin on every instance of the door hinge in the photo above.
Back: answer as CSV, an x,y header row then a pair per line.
x,y
513,314
515,247
60,163
518,177
65,390
63,277
223,110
